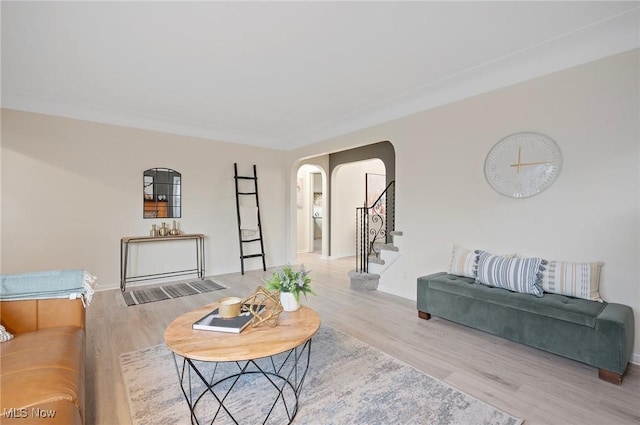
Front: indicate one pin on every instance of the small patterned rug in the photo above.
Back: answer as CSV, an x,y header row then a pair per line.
x,y
165,292
348,382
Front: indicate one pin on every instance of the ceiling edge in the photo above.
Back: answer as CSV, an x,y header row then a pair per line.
x,y
124,118
593,42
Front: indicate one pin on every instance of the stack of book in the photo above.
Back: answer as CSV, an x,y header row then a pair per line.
x,y
214,322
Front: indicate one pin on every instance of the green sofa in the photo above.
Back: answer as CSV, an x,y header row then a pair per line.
x,y
598,334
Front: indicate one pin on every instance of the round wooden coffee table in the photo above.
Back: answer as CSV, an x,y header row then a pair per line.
x,y
217,369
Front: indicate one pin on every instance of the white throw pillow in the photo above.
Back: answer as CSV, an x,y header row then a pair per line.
x,y
463,262
580,280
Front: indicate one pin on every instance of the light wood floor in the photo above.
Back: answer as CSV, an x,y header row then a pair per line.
x,y
539,387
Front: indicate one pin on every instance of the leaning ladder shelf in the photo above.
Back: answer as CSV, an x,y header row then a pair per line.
x,y
254,192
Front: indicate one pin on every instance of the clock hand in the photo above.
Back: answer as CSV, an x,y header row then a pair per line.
x,y
522,164
519,153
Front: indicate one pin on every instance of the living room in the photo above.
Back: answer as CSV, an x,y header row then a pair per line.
x,y
72,174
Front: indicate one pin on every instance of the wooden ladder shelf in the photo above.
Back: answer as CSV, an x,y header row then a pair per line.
x,y
254,193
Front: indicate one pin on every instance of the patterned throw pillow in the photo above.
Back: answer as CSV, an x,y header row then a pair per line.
x,y
463,262
580,280
516,274
4,334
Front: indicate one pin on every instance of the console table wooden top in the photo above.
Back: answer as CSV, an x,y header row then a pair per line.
x,y
127,239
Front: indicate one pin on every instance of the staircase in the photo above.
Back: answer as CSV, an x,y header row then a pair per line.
x,y
375,247
386,254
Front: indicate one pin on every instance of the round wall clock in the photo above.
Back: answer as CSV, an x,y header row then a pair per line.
x,y
523,164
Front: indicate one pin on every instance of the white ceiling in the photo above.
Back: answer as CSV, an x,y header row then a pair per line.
x,y
287,74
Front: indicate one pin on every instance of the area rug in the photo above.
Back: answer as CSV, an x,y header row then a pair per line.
x,y
348,382
165,292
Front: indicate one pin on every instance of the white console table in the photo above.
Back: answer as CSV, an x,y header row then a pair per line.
x,y
199,269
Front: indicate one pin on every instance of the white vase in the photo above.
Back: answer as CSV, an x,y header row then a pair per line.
x,y
288,301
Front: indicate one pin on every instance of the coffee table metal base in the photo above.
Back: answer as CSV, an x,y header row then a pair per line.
x,y
219,390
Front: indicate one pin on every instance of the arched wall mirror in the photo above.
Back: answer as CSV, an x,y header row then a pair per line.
x,y
161,193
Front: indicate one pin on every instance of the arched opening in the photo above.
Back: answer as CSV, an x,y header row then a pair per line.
x,y
328,165
310,209
348,192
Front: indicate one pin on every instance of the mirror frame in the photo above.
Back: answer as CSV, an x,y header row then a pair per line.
x,y
161,193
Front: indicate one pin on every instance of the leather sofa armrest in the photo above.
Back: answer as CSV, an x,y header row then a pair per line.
x,y
30,315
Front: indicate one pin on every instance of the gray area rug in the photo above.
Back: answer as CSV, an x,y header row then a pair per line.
x,y
168,291
349,382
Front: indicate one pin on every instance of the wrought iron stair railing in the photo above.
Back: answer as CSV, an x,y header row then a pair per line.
x,y
374,223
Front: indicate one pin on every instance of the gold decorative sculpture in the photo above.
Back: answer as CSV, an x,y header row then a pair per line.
x,y
262,297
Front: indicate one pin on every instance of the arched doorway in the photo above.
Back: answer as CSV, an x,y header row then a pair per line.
x,y
328,164
310,210
348,192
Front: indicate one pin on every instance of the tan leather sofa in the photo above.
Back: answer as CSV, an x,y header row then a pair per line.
x,y
42,369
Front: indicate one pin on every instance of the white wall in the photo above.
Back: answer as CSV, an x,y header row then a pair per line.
x,y
347,194
591,212
71,189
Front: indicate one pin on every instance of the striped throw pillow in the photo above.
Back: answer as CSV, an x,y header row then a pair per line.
x,y
463,262
580,280
516,274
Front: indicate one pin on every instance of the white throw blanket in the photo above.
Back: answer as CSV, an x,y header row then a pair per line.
x,y
70,284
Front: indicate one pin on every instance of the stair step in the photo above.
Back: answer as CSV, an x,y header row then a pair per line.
x,y
375,260
385,246
396,233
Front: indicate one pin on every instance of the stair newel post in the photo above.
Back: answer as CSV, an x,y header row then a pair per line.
x,y
357,233
360,267
361,239
388,214
365,239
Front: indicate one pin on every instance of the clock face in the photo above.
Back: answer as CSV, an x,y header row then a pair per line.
x,y
523,164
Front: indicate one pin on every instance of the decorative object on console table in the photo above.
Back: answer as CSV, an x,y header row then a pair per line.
x,y
174,230
164,230
290,283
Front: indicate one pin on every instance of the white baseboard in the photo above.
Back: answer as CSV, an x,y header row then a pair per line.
x,y
100,287
635,359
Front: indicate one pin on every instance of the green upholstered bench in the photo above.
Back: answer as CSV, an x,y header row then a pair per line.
x,y
598,334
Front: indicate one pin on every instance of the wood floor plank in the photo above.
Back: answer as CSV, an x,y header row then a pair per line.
x,y
537,386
